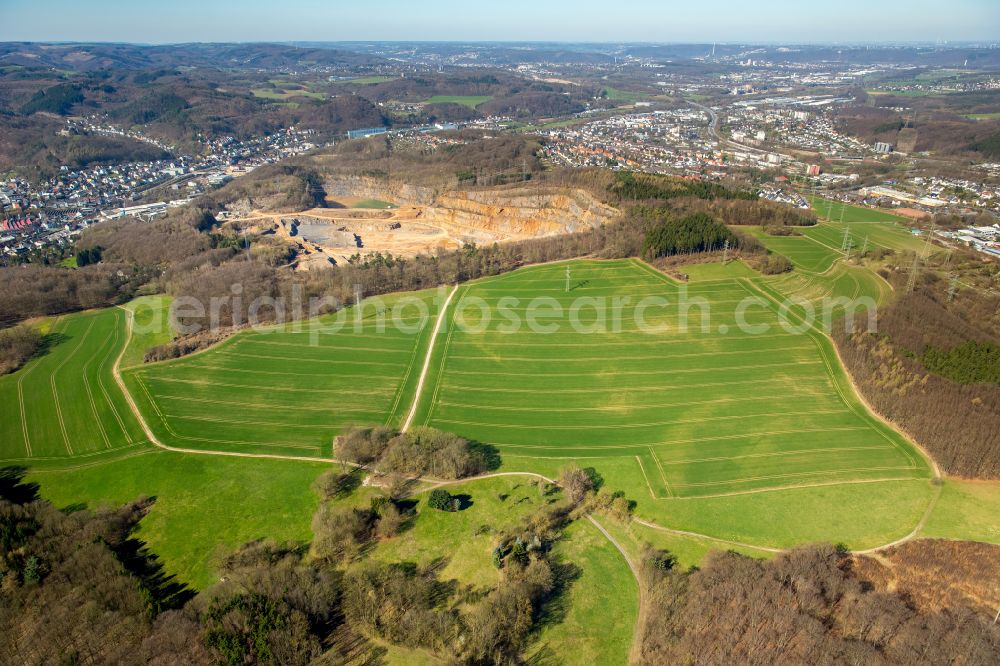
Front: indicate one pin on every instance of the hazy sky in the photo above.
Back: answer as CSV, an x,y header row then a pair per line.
x,y
538,20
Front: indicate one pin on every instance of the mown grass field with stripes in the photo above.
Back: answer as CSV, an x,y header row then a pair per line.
x,y
289,390
755,437
65,404
703,412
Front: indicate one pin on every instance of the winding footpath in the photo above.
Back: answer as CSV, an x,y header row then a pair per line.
x,y
436,483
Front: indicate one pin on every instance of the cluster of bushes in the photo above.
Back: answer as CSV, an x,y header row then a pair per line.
x,y
88,255
772,264
186,345
17,345
341,533
585,490
781,230
407,605
418,452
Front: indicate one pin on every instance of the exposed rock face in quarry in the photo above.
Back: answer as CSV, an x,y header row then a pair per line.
x,y
496,215
423,220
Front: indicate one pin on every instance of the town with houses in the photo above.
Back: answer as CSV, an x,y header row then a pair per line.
x,y
47,215
763,126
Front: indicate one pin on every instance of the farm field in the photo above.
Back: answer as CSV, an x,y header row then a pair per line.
x,y
710,433
471,101
697,414
828,209
282,94
64,404
883,229
366,80
752,439
289,390
616,95
818,247
841,281
718,271
805,253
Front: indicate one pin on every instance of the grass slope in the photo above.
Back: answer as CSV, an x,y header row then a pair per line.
x,y
697,413
471,101
289,390
594,621
206,506
64,404
151,327
595,616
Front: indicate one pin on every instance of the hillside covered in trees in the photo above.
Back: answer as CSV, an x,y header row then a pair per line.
x,y
809,605
933,369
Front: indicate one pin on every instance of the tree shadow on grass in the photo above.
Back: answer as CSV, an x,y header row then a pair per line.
x,y
556,607
488,453
14,489
164,591
49,342
408,511
462,501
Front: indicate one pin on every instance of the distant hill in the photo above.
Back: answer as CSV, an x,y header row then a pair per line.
x,y
94,57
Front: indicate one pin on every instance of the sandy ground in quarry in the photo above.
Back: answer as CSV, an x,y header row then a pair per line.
x,y
332,235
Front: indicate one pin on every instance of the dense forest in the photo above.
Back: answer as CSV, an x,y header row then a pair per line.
x,y
932,369
688,235
809,605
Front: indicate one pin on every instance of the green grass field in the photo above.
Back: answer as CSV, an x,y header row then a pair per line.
x,y
616,95
289,390
718,271
206,506
65,404
697,413
471,101
373,203
151,327
595,619
366,80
